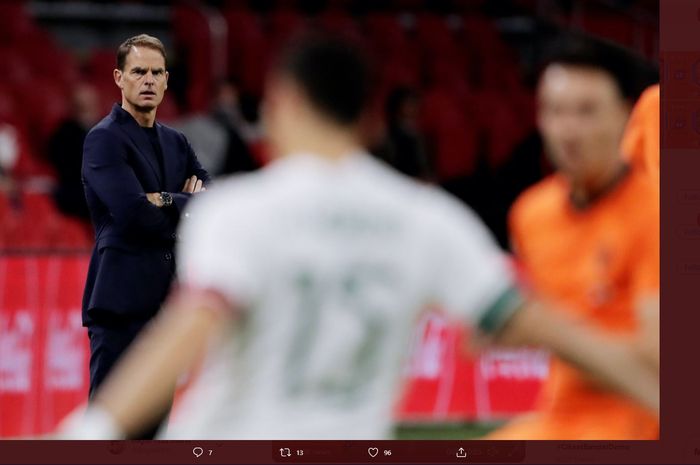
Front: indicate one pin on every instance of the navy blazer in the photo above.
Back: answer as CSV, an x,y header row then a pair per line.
x,y
132,264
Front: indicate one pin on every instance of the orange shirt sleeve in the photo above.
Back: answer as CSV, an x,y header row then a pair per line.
x,y
641,141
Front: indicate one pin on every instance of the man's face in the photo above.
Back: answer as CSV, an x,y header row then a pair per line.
x,y
581,116
144,78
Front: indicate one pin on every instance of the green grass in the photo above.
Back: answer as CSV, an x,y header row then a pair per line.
x,y
444,431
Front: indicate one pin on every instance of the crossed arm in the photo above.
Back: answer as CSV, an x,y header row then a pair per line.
x,y
192,186
108,174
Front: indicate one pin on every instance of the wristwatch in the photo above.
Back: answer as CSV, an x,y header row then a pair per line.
x,y
166,199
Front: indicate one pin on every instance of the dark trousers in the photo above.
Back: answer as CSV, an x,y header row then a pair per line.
x,y
107,343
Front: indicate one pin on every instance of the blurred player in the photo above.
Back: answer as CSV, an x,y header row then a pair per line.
x,y
642,145
302,282
641,142
588,238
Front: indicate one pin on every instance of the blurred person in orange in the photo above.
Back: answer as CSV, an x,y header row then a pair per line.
x,y
642,145
588,240
641,142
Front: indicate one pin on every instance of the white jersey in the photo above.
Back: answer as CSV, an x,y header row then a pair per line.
x,y
328,264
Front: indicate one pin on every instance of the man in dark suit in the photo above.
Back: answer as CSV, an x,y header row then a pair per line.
x,y
134,170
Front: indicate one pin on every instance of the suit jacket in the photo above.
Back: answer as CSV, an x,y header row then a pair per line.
x,y
132,264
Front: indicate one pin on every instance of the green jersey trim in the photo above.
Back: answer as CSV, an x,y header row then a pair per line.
x,y
505,306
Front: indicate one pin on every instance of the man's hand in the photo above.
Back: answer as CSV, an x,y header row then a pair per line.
x,y
193,185
154,198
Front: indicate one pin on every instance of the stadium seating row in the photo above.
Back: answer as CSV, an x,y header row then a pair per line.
x,y
31,221
473,102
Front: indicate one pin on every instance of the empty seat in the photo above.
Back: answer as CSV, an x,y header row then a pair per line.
x,y
245,37
45,102
452,137
615,28
193,42
15,23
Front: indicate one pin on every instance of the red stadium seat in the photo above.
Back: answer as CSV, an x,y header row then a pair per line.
x,y
433,33
100,62
73,234
245,36
386,33
614,28
505,119
393,50
45,102
282,25
448,74
35,223
8,107
40,224
337,20
16,66
9,217
98,69
15,23
451,136
395,72
248,49
46,58
167,110
193,42
481,38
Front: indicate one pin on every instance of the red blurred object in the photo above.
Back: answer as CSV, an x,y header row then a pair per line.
x,y
612,27
447,383
283,24
46,105
434,34
15,23
167,110
17,66
504,119
193,40
246,44
247,49
387,34
452,136
34,223
99,70
43,349
339,21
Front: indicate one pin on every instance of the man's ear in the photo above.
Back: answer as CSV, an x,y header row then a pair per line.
x,y
118,78
167,75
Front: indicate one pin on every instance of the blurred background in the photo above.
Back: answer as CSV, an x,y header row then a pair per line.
x,y
455,106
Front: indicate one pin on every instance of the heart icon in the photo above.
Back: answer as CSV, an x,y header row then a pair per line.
x,y
372,451
198,451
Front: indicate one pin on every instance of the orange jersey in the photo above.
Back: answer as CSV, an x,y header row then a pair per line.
x,y
641,142
594,263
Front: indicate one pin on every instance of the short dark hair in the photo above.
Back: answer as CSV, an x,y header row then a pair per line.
x,y
629,73
334,73
141,40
